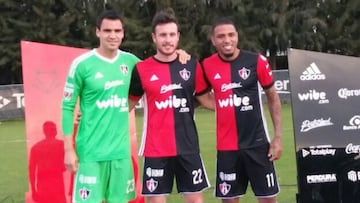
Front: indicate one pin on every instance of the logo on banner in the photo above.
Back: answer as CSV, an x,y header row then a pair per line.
x,y
321,178
151,185
312,72
3,102
321,150
185,74
84,193
344,93
308,125
353,176
352,149
244,73
354,123
124,69
224,188
314,95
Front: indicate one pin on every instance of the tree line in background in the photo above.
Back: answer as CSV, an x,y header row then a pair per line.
x,y
266,26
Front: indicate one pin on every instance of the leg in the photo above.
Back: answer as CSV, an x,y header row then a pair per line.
x,y
156,199
232,200
267,200
194,198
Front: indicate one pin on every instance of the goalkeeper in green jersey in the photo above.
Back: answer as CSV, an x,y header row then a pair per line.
x,y
102,157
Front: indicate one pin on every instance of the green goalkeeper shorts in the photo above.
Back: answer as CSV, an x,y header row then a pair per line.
x,y
112,181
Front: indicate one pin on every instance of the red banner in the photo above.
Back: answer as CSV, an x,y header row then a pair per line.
x,y
45,68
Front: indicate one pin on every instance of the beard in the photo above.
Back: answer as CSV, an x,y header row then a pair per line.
x,y
229,55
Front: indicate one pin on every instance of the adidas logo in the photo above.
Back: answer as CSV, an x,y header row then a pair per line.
x,y
154,77
312,73
217,76
98,75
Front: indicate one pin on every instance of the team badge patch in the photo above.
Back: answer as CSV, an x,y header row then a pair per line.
x,y
84,193
244,73
185,74
124,69
151,185
224,188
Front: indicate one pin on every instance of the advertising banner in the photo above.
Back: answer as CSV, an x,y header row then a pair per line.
x,y
45,68
325,95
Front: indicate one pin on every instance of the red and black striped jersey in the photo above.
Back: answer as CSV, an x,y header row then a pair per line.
x,y
168,90
240,121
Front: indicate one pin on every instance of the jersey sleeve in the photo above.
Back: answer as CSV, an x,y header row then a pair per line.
x,y
264,72
72,90
136,91
201,84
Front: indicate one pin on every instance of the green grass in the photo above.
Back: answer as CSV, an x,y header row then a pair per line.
x,y
13,159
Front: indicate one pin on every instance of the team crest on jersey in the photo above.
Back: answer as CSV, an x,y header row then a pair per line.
x,y
224,188
185,74
151,185
84,193
124,69
244,73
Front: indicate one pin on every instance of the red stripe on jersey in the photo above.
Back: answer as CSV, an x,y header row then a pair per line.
x,y
264,71
219,75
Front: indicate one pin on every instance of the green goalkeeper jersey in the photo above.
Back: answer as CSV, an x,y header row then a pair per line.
x,y
102,85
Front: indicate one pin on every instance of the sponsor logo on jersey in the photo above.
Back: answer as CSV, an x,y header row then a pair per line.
x,y
353,176
217,76
352,149
321,178
111,84
124,69
236,101
344,93
150,172
68,92
154,77
84,193
98,75
87,179
354,123
185,74
113,102
227,176
3,102
244,73
312,72
173,102
316,123
314,95
151,185
167,88
226,87
224,188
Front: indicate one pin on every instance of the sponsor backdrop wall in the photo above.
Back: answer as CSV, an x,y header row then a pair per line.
x,y
325,94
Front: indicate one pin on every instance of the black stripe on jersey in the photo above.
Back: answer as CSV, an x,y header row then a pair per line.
x,y
185,129
249,123
135,84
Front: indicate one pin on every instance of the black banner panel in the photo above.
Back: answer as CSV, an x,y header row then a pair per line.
x,y
325,95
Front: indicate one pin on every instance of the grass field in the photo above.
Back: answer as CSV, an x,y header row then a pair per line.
x,y
13,162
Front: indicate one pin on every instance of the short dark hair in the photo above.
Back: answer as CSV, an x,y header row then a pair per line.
x,y
163,17
222,21
108,14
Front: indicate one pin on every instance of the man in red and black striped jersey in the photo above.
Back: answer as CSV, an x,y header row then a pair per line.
x,y
170,140
244,151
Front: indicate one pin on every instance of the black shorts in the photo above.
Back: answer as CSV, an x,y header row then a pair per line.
x,y
159,173
236,168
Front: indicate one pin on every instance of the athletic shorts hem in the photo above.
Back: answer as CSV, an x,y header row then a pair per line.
x,y
232,197
194,192
152,195
267,196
